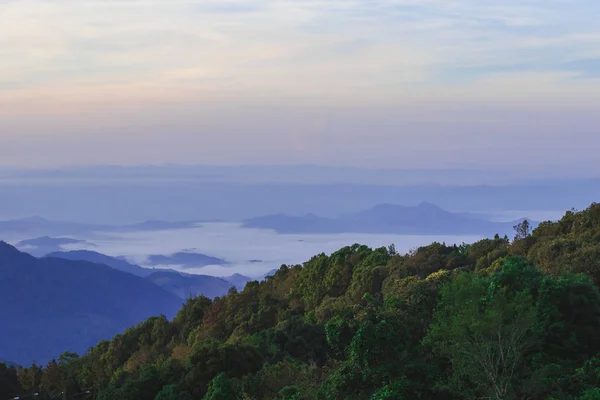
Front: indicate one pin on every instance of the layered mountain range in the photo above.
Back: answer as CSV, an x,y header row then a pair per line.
x,y
424,219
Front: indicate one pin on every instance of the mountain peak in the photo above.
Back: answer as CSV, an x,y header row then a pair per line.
x,y
427,205
6,248
11,253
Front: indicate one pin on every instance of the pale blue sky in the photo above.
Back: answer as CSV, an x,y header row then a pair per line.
x,y
394,83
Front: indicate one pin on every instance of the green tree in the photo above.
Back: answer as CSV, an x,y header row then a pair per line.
x,y
9,383
172,392
52,379
191,315
522,230
30,378
290,393
221,388
486,334
568,307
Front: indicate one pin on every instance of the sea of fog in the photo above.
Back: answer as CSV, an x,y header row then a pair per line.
x,y
242,247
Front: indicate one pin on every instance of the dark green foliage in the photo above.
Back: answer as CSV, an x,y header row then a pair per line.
x,y
487,331
9,383
172,392
569,311
221,388
191,315
496,319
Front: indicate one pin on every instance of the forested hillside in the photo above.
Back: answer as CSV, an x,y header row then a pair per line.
x,y
52,305
497,319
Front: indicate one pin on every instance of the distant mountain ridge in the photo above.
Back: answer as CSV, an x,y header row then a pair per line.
x,y
95,257
48,241
38,226
238,280
425,218
185,259
43,227
178,283
157,225
382,218
41,246
58,305
186,285
114,203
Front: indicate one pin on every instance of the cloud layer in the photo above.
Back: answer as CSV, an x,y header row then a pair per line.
x,y
251,80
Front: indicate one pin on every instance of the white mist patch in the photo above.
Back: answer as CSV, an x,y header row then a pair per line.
x,y
251,252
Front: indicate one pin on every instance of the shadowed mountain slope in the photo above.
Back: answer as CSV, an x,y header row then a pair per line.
x,y
61,305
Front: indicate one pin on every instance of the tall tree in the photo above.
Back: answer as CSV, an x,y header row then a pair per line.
x,y
9,383
486,333
522,230
51,382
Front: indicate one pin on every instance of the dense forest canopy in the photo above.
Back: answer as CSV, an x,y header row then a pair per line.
x,y
497,319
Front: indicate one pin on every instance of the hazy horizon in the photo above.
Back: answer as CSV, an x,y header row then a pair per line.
x,y
287,173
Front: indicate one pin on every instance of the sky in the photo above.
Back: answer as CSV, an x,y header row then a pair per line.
x,y
389,84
